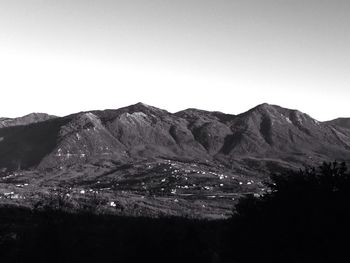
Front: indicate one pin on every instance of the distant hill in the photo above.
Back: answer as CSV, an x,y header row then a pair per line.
x,y
25,120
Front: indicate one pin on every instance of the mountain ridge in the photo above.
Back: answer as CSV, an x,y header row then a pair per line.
x,y
143,131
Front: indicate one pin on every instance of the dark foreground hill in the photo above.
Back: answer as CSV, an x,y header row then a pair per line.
x,y
146,157
304,218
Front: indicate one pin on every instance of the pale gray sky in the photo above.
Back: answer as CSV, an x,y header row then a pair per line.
x,y
64,56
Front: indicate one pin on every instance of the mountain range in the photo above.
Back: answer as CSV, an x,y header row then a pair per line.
x,y
153,157
141,131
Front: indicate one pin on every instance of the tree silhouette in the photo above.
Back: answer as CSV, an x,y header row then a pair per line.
x,y
303,218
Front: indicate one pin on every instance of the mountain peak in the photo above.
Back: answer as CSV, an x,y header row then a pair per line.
x,y
266,109
278,112
266,106
143,107
141,104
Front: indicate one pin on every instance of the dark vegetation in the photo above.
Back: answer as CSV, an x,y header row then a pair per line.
x,y
304,217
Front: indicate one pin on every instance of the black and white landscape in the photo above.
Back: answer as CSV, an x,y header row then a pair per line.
x,y
141,183
144,161
202,170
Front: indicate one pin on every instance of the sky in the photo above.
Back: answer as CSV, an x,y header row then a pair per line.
x,y
67,56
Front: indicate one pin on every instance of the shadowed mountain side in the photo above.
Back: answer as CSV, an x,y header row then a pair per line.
x,y
208,128
25,146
